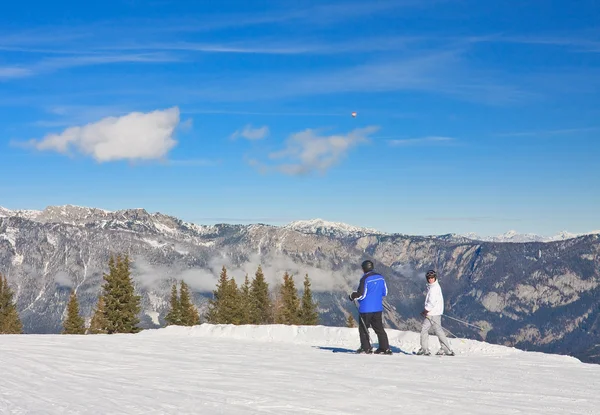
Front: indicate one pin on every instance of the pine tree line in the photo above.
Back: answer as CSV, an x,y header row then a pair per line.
x,y
252,304
118,306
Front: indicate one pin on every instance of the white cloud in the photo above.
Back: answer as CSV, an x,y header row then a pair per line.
x,y
307,151
133,136
274,265
63,279
420,141
250,133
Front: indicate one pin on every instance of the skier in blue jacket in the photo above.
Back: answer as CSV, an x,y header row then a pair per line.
x,y
371,290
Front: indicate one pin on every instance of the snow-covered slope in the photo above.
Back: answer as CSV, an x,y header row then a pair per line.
x,y
282,370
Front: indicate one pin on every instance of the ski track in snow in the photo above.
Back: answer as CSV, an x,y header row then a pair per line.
x,y
221,369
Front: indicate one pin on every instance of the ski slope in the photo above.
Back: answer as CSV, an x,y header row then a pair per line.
x,y
223,369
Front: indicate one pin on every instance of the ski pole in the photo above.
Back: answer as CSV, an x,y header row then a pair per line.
x,y
362,321
466,323
444,328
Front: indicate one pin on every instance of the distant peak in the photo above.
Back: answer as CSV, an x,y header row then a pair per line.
x,y
67,209
514,236
324,227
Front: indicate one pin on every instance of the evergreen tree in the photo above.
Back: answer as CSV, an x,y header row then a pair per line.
x,y
73,323
10,323
277,301
308,310
99,323
224,306
350,321
173,317
121,304
214,313
289,310
187,311
261,311
234,309
246,302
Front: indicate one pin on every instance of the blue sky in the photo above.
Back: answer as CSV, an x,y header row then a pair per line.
x,y
471,116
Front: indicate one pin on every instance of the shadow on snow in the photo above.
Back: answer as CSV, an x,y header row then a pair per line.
x,y
344,350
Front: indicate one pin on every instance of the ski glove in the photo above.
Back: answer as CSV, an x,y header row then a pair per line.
x,y
424,313
351,296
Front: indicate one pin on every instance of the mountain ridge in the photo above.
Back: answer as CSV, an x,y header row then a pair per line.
x,y
541,296
80,214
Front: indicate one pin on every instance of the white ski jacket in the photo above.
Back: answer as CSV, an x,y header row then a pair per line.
x,y
434,300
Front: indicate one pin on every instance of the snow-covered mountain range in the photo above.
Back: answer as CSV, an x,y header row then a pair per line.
x,y
540,296
78,215
514,236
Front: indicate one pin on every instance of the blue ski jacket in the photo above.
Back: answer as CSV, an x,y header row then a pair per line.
x,y
371,290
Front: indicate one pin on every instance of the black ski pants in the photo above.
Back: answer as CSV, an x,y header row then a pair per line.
x,y
375,321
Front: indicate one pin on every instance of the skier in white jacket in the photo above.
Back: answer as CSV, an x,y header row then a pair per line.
x,y
434,308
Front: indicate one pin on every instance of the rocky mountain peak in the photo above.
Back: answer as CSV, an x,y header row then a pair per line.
x,y
327,228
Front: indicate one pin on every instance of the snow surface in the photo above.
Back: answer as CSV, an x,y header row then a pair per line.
x,y
224,369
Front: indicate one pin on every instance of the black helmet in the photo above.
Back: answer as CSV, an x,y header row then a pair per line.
x,y
430,273
367,266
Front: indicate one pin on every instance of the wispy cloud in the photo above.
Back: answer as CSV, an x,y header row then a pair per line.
x,y
73,61
54,64
541,133
328,12
9,72
308,151
579,44
439,72
268,113
102,33
320,13
470,219
265,48
135,136
250,133
281,45
433,140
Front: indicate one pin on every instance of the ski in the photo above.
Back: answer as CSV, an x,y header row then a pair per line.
x,y
430,355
